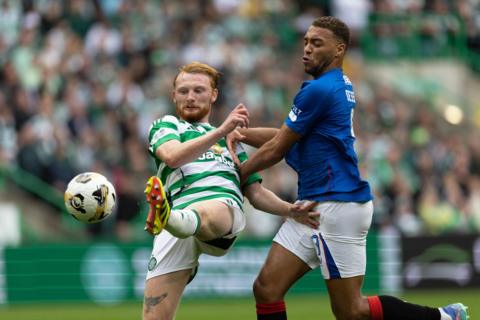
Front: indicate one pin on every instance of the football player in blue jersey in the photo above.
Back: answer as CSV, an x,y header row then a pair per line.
x,y
317,141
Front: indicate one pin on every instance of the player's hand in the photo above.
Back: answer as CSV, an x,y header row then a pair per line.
x,y
302,212
232,139
237,118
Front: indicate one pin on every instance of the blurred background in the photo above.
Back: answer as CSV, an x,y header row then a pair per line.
x,y
81,81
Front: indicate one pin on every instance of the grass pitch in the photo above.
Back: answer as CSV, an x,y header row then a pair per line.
x,y
302,307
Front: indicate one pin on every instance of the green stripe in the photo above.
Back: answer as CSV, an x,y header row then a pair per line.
x,y
190,135
215,189
165,173
170,136
242,156
153,129
157,163
255,177
214,196
161,141
222,142
198,176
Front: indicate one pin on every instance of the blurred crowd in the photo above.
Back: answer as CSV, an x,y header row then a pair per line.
x,y
81,82
423,28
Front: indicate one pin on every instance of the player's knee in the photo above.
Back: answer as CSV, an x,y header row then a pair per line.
x,y
208,228
257,288
265,292
211,228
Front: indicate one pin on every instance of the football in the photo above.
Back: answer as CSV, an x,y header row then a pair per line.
x,y
90,197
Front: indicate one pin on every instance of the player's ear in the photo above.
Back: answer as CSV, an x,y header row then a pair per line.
x,y
341,48
173,96
214,95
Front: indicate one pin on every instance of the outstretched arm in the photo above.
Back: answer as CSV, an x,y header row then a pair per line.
x,y
256,137
271,152
175,153
265,200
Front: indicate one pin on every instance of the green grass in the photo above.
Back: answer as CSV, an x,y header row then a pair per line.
x,y
304,307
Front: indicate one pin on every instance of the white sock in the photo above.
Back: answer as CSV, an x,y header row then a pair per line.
x,y
183,223
443,315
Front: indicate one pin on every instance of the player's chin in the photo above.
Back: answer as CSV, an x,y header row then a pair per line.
x,y
192,116
309,70
308,67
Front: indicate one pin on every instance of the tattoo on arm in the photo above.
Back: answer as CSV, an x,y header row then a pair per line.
x,y
151,302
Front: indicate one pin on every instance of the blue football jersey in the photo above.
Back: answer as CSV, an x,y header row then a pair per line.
x,y
324,158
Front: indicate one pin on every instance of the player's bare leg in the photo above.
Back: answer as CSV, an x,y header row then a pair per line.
x,y
162,295
216,219
346,299
274,280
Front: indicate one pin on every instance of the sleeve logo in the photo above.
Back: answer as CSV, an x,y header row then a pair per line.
x,y
350,95
294,113
158,135
347,80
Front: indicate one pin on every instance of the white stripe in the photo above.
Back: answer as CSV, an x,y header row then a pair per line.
x,y
171,119
207,166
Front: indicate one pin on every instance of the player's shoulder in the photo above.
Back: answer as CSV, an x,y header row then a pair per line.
x,y
170,118
166,120
330,77
331,81
316,87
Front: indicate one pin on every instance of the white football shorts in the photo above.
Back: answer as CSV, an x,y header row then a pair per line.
x,y
338,246
170,254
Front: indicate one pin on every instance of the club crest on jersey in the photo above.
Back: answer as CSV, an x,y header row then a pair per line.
x,y
216,148
294,113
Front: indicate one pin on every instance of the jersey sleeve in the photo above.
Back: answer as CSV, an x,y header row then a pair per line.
x,y
308,106
243,156
161,131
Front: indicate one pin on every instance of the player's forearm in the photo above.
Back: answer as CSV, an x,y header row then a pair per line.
x,y
256,137
265,157
265,200
179,154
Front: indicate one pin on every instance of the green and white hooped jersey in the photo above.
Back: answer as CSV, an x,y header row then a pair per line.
x,y
212,176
